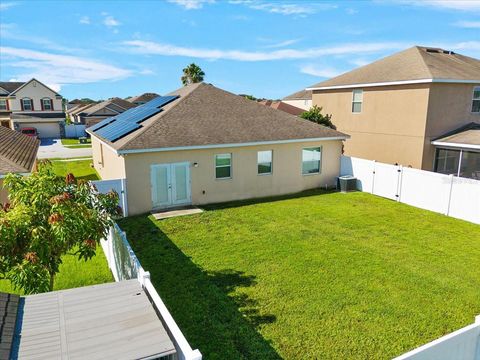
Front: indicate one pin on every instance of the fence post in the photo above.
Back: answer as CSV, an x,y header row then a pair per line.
x,y
399,182
449,195
373,177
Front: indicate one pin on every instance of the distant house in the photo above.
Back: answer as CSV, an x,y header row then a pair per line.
x,y
201,144
94,113
18,154
32,104
396,109
142,99
301,99
283,106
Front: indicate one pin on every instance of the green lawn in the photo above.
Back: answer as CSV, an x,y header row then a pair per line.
x,y
80,168
323,275
75,143
74,273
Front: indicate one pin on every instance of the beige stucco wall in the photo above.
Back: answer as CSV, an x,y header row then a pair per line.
x,y
36,93
302,104
390,127
245,183
108,164
449,107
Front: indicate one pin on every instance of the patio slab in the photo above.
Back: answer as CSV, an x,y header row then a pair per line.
x,y
174,212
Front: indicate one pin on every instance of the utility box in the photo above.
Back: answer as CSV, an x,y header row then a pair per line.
x,y
347,183
82,140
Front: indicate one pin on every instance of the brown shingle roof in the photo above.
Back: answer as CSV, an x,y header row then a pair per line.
x,y
415,63
280,105
300,95
206,115
117,101
10,86
466,134
142,98
18,152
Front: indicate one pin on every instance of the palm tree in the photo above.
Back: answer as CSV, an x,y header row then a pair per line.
x,y
192,74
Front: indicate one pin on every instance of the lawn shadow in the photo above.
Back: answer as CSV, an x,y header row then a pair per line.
x,y
221,324
269,199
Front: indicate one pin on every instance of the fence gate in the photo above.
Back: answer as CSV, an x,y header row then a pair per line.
x,y
119,185
386,181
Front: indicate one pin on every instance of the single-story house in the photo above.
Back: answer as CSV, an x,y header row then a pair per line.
x,y
18,154
283,106
92,114
201,144
301,99
107,321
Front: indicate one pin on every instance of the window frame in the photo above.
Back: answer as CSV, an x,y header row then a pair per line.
x,y
357,102
320,149
6,105
271,163
475,88
23,104
50,104
223,166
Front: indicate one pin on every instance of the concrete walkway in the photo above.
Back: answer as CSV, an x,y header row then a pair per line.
x,y
53,148
177,211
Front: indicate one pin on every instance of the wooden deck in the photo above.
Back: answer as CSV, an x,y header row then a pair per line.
x,y
108,321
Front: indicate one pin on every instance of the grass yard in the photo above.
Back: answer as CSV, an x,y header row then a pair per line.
x,y
321,275
74,273
80,168
75,143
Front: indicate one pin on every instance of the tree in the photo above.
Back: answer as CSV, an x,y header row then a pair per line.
x,y
192,74
315,115
49,217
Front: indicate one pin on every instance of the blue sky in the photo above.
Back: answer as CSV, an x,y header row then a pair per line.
x,y
267,48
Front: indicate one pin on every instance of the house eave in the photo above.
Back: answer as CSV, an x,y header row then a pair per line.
x,y
455,145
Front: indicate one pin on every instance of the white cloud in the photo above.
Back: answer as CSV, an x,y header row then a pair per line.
x,y
359,62
351,11
282,44
110,21
154,48
468,24
464,5
7,5
191,4
56,69
146,72
324,72
284,8
84,20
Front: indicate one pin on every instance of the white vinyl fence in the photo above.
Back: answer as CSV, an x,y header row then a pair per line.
x,y
75,130
462,344
446,194
119,185
124,265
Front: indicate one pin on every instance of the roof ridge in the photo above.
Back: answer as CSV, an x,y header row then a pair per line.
x,y
421,53
180,100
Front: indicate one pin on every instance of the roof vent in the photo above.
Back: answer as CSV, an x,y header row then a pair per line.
x,y
432,50
448,52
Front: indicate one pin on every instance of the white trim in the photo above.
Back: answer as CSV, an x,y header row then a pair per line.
x,y
219,146
388,83
456,145
28,82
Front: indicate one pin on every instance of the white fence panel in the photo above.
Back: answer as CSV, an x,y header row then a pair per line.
x,y
462,344
386,180
465,199
363,170
75,131
119,185
425,190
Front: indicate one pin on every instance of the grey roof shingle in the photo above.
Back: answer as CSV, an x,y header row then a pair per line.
x,y
206,115
10,86
116,101
142,98
8,316
18,152
415,63
299,95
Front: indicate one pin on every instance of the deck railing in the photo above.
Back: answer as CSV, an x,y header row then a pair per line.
x,y
125,265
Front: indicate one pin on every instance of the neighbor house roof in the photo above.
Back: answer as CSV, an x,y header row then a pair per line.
x,y
8,317
299,95
115,101
18,152
416,64
467,136
142,98
80,108
10,86
280,105
204,115
107,321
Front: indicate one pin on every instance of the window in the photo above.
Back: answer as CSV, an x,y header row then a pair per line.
x,y
476,100
3,104
357,100
311,160
446,161
264,162
47,104
223,166
27,104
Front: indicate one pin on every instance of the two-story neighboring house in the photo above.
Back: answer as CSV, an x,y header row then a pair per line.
x,y
401,108
301,99
32,104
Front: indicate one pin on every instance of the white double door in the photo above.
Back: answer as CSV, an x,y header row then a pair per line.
x,y
170,184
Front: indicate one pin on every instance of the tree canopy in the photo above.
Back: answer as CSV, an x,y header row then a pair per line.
x,y
315,115
192,74
48,217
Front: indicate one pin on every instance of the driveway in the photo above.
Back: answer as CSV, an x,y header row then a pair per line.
x,y
53,148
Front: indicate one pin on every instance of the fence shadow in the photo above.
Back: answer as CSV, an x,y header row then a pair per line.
x,y
222,325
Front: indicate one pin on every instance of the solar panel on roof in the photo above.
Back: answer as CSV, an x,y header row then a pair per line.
x,y
102,123
161,101
117,130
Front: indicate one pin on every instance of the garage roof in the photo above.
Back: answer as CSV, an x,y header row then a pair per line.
x,y
18,152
